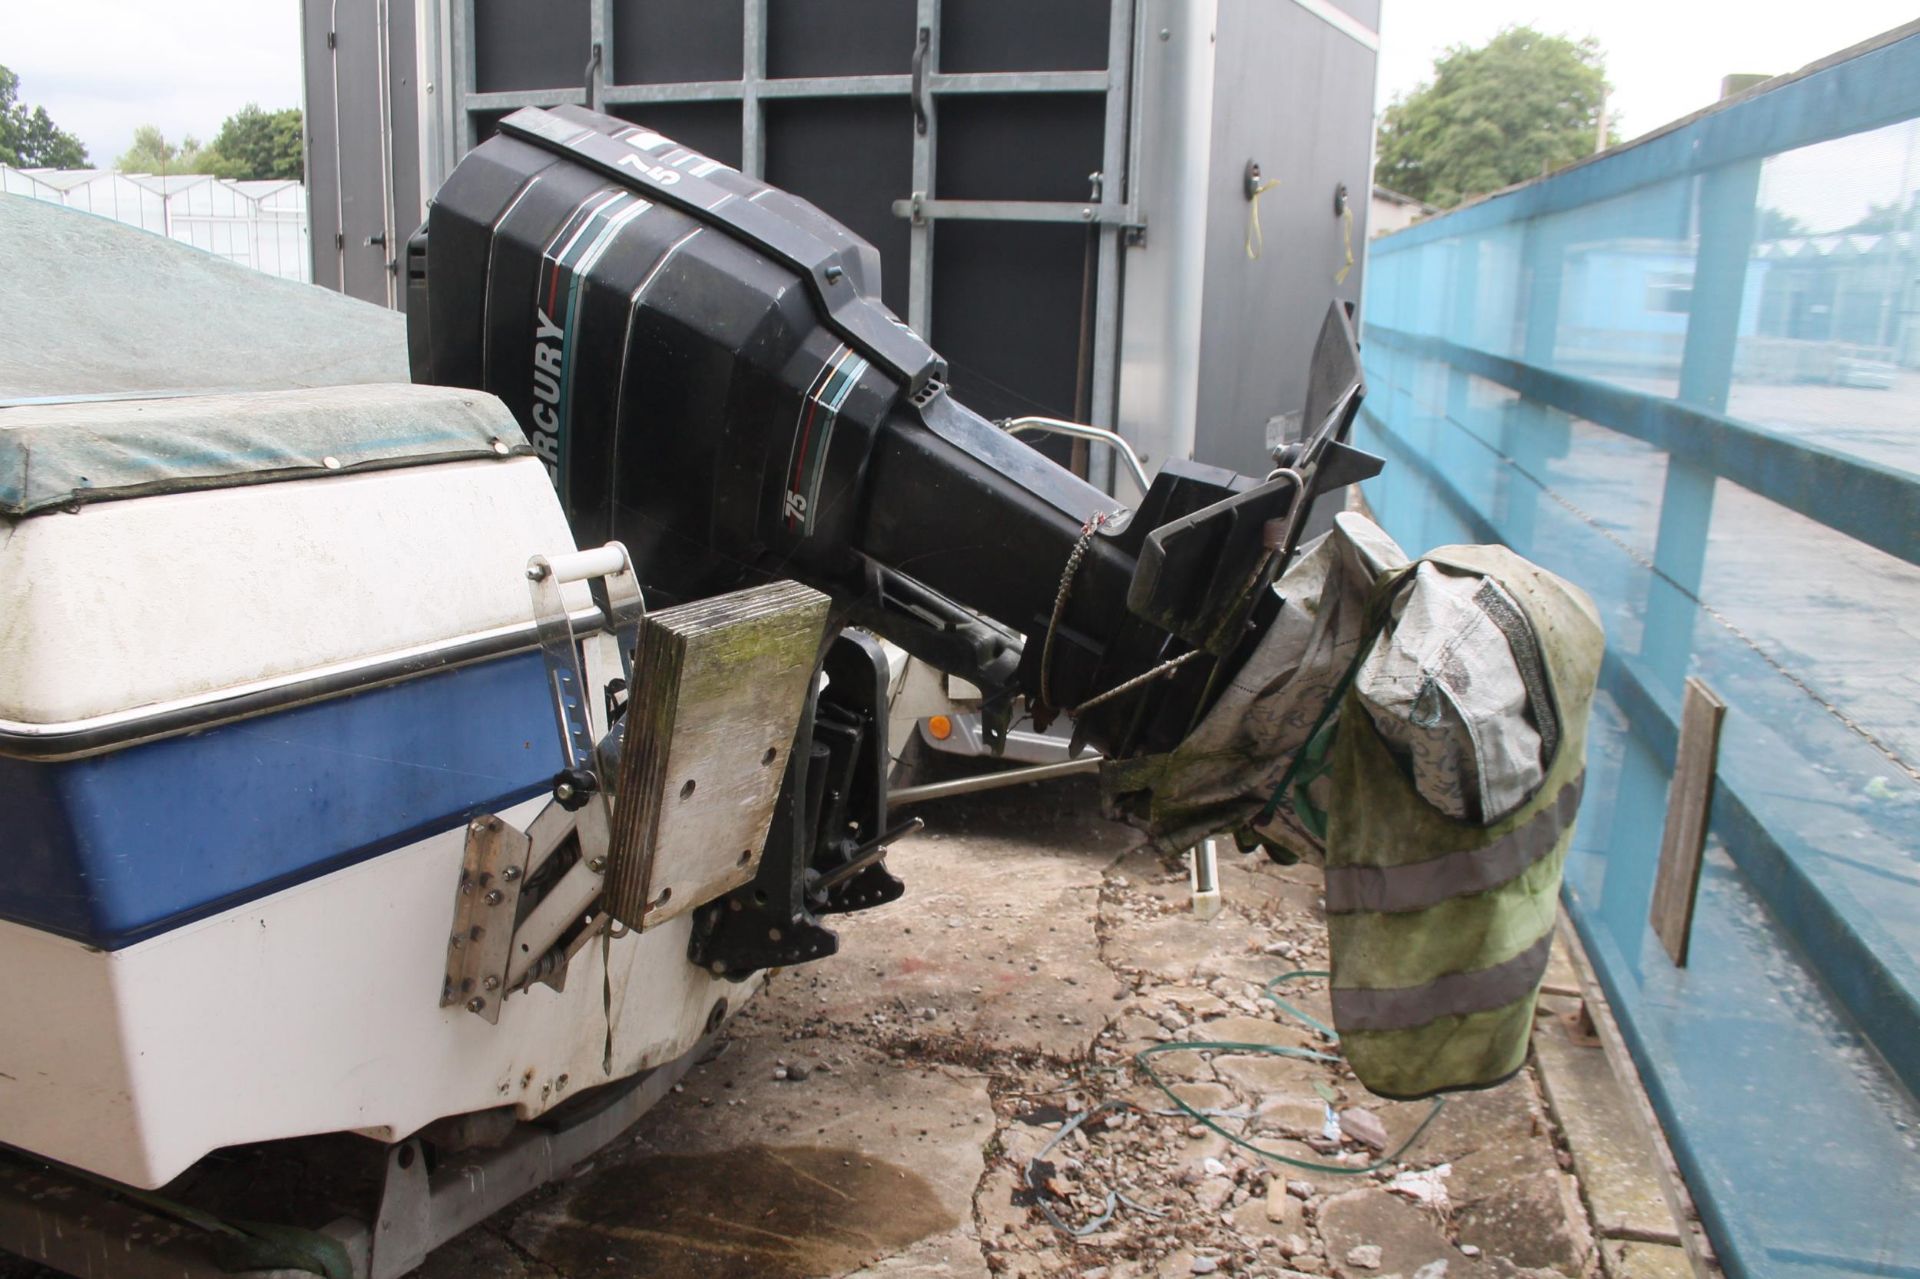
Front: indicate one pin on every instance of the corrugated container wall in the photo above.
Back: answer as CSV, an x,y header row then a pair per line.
x,y
1058,192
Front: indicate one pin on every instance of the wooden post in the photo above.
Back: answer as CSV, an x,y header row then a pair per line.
x,y
1689,801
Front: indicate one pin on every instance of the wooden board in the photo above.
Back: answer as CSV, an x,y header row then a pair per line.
x,y
718,687
1689,802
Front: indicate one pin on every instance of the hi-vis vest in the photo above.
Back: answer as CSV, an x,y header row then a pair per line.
x,y
1440,928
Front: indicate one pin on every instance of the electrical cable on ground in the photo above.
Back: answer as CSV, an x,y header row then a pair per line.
x,y
1208,1114
1114,1197
1278,1050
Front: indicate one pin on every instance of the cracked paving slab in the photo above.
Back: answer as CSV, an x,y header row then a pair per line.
x,y
745,1173
996,938
843,1128
877,1113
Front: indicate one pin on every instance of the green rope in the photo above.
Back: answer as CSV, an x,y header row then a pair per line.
x,y
1276,1050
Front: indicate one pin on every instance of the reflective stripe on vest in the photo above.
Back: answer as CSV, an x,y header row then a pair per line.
x,y
1417,885
1454,995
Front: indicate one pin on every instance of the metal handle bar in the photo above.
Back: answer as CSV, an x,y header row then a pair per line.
x,y
578,566
1080,430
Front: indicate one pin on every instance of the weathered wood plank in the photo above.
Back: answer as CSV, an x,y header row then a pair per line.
x,y
1689,803
719,685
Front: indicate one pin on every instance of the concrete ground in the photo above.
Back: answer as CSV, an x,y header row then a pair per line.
x,y
879,1113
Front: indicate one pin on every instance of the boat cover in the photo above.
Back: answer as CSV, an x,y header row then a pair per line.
x,y
59,455
94,307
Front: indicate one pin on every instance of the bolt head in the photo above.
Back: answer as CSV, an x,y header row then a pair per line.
x,y
563,790
598,865
495,897
475,1004
510,874
491,983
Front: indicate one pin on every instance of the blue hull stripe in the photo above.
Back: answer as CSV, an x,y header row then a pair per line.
x,y
114,848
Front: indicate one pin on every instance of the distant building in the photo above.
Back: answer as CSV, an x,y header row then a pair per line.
x,y
1818,308
1392,211
262,224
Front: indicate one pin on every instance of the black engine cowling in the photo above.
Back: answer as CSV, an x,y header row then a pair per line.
x,y
704,365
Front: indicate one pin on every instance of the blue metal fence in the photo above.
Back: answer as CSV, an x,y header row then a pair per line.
x,y
1686,374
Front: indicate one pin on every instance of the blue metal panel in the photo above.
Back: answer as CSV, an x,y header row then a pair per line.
x,y
1874,977
117,847
1878,505
1768,1057
1678,375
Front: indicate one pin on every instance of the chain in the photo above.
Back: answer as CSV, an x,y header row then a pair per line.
x,y
1067,575
1167,667
1087,531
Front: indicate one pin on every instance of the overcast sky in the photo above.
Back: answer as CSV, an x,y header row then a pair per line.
x,y
100,67
1665,58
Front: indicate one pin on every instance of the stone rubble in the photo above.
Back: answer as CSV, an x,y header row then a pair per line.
x,y
1095,958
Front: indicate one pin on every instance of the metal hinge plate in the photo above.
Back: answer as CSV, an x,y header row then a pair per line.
x,y
481,944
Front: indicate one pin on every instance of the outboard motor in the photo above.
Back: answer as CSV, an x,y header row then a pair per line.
x,y
704,365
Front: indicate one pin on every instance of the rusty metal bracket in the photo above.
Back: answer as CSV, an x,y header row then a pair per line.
x,y
480,947
496,947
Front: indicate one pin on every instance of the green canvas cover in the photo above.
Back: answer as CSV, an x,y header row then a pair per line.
x,y
95,307
62,455
1440,928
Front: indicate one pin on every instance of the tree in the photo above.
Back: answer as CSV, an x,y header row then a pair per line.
x,y
251,144
1776,224
260,144
1882,218
1519,106
29,139
152,153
